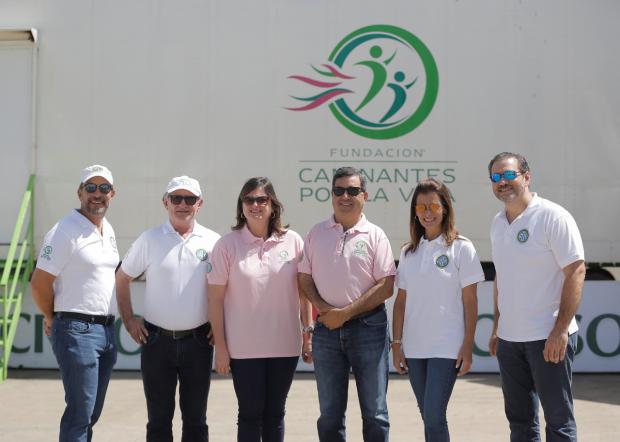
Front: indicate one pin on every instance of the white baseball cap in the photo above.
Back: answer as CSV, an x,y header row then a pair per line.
x,y
186,183
96,170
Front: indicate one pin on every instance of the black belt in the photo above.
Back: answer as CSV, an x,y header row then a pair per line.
x,y
85,317
179,334
377,309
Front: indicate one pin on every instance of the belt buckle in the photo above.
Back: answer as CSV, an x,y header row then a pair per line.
x,y
174,335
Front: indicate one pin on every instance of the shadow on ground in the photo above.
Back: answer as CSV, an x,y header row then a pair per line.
x,y
595,387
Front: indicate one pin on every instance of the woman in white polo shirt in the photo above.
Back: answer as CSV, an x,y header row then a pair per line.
x,y
255,311
436,308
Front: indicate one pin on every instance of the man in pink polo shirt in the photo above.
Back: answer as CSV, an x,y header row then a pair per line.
x,y
347,273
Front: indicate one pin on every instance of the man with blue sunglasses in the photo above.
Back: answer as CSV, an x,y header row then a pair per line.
x,y
539,259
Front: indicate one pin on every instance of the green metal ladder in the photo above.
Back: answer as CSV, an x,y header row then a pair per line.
x,y
16,271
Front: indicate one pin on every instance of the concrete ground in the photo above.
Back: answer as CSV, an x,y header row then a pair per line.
x,y
31,403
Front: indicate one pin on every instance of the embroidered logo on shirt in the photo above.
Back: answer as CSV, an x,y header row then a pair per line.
x,y
47,252
202,254
113,242
523,236
361,249
283,255
442,261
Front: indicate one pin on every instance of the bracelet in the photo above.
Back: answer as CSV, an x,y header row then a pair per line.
x,y
308,329
397,341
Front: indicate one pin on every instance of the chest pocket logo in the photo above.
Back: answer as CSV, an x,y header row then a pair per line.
x,y
202,254
442,261
361,249
283,256
523,236
113,243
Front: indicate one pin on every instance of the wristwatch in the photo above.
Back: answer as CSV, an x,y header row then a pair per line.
x,y
309,329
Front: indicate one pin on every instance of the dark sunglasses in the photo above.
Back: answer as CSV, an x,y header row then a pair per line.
x,y
352,191
508,175
104,188
189,200
260,200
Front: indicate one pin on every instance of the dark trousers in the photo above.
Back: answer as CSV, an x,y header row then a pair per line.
x,y
527,380
164,360
261,386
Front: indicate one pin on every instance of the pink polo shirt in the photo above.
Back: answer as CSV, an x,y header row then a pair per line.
x,y
261,303
344,265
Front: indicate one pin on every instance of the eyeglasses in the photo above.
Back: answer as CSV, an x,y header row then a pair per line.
x,y
104,188
260,200
352,191
508,175
433,207
189,200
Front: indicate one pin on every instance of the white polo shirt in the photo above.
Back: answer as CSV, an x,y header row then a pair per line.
x,y
529,255
84,262
176,274
434,277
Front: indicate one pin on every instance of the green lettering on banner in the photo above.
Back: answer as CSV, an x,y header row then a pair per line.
x,y
477,350
38,333
117,328
591,335
16,349
579,338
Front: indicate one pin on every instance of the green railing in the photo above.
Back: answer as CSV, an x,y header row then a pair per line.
x,y
15,276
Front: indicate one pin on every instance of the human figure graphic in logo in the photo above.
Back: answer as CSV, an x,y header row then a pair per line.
x,y
368,118
400,94
379,74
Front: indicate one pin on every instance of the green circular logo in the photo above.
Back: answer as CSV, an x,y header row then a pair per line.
x,y
523,236
381,82
202,254
442,261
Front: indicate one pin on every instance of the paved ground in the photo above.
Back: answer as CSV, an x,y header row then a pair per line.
x,y
31,402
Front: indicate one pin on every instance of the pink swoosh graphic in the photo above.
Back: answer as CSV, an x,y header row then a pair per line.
x,y
320,101
314,82
337,73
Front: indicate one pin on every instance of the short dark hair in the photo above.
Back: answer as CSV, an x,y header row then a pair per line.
x,y
275,222
349,171
523,166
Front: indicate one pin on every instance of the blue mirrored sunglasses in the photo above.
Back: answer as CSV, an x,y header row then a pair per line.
x,y
508,175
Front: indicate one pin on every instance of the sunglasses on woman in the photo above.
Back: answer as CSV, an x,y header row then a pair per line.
x,y
433,207
260,200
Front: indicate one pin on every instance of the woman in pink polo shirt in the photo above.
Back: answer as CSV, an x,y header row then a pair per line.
x,y
436,308
255,311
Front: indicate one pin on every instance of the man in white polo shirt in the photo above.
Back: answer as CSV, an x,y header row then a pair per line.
x,y
73,285
174,332
539,259
347,273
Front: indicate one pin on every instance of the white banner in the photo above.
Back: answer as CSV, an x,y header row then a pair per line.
x,y
598,348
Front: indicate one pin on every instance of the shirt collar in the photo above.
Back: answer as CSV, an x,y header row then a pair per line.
x,y
362,225
86,223
168,229
439,241
534,202
249,238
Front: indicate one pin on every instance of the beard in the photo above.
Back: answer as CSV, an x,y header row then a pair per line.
x,y
95,210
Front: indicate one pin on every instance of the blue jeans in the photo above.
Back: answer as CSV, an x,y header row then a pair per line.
x,y
86,354
165,360
362,345
261,386
432,381
528,379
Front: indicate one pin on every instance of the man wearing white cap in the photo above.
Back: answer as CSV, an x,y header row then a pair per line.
x,y
174,332
73,285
